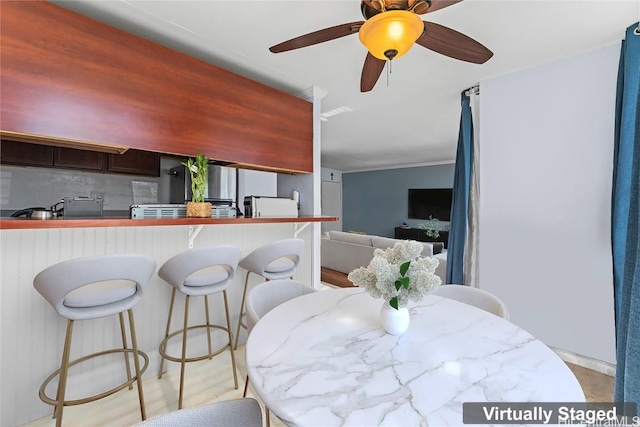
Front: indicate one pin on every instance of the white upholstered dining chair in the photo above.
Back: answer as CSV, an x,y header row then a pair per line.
x,y
474,296
265,297
236,412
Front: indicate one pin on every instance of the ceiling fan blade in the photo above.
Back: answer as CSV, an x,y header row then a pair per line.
x,y
453,44
371,72
319,36
441,4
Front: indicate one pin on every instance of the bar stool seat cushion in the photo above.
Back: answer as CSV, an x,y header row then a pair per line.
x,y
58,283
207,276
277,260
100,293
192,273
280,265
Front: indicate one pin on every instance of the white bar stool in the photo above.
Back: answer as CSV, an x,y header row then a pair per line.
x,y
90,288
273,261
199,272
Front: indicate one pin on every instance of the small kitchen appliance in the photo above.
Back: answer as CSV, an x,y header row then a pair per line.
x,y
158,211
79,207
261,206
176,211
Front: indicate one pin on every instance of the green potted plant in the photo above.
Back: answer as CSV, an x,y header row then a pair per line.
x,y
197,207
431,227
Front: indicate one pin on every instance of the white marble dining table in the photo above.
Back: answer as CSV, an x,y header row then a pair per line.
x,y
323,359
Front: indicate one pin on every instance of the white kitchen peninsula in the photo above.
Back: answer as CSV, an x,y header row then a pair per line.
x,y
32,332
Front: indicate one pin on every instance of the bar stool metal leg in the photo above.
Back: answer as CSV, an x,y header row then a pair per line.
x,y
246,386
244,297
124,347
184,348
233,357
166,334
64,369
206,312
136,364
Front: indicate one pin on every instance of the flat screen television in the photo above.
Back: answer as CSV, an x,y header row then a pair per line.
x,y
434,202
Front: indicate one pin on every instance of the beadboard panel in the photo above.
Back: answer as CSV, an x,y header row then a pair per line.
x,y
32,333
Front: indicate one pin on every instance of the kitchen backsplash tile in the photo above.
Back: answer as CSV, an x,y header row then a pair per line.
x,y
22,187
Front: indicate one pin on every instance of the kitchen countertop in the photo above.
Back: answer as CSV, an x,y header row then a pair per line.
x,y
28,223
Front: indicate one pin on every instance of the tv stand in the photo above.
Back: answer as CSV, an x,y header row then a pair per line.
x,y
420,235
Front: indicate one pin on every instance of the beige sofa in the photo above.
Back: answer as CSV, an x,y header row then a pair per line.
x,y
344,252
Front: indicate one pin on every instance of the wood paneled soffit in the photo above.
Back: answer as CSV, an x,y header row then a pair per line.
x,y
70,78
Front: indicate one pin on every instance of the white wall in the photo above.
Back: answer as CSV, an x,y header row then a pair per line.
x,y
256,183
327,174
303,184
546,137
331,198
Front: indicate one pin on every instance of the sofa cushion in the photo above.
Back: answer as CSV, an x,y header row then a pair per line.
x,y
383,242
387,242
358,239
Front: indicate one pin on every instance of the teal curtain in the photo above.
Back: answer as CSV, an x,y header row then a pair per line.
x,y
626,221
460,202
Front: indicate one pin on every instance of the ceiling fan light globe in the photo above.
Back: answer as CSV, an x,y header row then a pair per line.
x,y
392,30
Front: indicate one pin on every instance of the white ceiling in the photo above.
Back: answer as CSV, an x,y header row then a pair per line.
x,y
413,120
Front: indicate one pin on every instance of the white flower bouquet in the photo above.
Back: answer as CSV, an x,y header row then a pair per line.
x,y
398,274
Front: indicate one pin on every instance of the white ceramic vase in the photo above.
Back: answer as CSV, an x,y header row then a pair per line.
x,y
395,322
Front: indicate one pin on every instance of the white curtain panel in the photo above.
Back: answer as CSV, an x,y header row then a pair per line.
x,y
471,268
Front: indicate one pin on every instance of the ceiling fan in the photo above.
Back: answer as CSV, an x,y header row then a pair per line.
x,y
390,28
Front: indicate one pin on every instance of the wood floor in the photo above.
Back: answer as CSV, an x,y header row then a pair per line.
x,y
335,278
597,387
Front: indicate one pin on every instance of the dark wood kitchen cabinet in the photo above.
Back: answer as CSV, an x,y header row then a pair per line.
x,y
132,162
25,154
78,159
19,153
135,162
